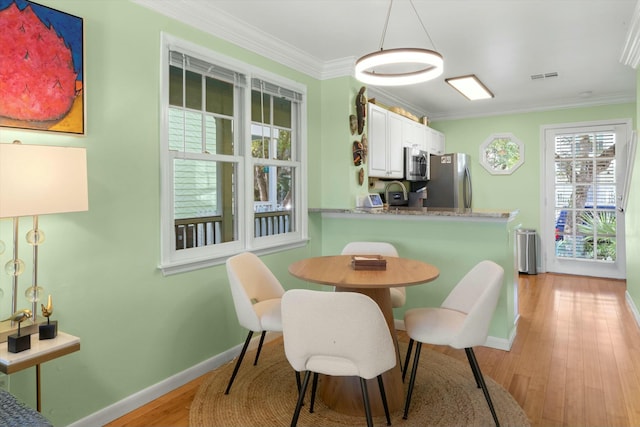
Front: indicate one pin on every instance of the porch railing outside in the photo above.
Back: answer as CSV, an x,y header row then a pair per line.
x,y
196,232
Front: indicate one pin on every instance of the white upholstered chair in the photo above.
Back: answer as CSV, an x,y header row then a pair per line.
x,y
462,321
338,334
256,296
398,295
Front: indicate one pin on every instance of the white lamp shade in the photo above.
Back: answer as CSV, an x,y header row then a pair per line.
x,y
39,180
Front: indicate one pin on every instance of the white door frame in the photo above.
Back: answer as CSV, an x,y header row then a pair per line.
x,y
547,202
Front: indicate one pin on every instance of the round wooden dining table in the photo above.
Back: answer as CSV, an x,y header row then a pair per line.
x,y
343,394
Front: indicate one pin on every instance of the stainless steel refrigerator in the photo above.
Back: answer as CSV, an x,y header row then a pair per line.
x,y
449,185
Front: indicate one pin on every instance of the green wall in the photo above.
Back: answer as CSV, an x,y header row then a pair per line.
x,y
139,328
633,227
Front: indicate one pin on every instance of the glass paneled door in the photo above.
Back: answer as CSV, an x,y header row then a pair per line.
x,y
583,170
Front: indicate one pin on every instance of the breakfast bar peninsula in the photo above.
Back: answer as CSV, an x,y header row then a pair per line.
x,y
453,240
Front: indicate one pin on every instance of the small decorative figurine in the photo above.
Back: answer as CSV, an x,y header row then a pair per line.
x,y
353,124
361,176
357,153
365,148
361,108
50,330
18,342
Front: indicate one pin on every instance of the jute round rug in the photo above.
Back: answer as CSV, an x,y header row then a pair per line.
x,y
445,394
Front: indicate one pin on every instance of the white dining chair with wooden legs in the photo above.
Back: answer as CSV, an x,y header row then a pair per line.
x,y
462,321
257,295
339,334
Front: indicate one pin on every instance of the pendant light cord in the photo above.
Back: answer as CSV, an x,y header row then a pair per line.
x,y
421,23
386,24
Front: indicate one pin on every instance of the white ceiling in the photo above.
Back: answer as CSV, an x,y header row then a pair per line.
x,y
503,42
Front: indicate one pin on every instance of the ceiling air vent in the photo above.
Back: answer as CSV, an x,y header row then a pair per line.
x,y
544,76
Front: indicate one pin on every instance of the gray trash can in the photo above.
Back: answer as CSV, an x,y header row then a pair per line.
x,y
526,244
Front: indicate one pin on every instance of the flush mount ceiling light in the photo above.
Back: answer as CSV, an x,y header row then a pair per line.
x,y
470,87
402,66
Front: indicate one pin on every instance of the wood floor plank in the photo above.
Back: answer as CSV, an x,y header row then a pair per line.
x,y
575,360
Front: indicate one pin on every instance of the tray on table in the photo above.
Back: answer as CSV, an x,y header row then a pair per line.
x,y
368,262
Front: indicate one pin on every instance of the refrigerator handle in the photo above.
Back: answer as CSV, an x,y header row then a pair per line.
x,y
468,190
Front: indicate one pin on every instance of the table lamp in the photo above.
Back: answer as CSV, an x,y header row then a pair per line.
x,y
38,180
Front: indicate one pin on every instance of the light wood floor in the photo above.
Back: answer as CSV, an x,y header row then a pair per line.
x,y
575,360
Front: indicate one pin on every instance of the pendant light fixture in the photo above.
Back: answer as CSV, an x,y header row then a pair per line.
x,y
401,66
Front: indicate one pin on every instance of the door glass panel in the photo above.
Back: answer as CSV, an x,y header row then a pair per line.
x,y
585,196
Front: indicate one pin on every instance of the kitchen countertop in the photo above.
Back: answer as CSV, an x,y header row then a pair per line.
x,y
418,213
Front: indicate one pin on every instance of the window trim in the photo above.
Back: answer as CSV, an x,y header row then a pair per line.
x,y
173,261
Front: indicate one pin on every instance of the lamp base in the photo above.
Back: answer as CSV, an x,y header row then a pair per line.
x,y
49,330
17,343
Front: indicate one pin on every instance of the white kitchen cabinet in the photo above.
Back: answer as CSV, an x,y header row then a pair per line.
x,y
434,141
413,134
385,143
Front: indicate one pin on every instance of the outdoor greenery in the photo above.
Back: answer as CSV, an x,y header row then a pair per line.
x,y
260,149
502,153
600,228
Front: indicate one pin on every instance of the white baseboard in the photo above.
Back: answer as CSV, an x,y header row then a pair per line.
x,y
153,392
632,307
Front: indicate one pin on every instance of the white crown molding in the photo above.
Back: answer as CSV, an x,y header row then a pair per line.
x,y
338,68
507,110
631,51
220,24
226,27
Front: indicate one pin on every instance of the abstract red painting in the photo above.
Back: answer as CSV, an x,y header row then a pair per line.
x,y
41,68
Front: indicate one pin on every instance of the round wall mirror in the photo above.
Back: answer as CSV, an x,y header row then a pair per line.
x,y
502,154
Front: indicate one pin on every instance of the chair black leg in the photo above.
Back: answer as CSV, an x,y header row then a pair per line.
x,y
255,362
299,383
314,387
476,368
365,398
303,389
407,359
473,369
239,361
412,381
383,395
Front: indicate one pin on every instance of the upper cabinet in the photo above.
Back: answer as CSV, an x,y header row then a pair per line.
x,y
389,133
434,141
385,143
413,134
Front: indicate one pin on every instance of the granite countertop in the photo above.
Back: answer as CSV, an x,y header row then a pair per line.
x,y
423,213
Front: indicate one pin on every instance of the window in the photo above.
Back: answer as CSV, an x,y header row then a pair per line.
x,y
232,159
585,194
502,154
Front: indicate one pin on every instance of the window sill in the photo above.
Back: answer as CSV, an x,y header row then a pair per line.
x,y
169,269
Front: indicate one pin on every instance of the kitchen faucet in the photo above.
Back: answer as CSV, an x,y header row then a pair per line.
x,y
386,190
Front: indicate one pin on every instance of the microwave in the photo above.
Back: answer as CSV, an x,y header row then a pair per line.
x,y
416,164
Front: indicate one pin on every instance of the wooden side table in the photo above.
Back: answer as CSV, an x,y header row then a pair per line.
x,y
41,351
